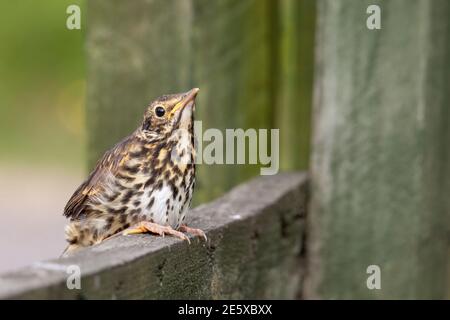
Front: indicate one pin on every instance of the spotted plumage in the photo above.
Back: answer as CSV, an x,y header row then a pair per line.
x,y
144,183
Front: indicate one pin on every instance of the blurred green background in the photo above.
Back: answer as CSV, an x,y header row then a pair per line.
x,y
42,84
42,135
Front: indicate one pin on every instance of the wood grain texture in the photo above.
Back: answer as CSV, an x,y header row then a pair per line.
x,y
379,166
255,238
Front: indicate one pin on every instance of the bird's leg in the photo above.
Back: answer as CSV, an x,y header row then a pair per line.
x,y
195,232
146,226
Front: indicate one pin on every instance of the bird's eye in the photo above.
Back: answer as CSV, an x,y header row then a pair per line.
x,y
160,111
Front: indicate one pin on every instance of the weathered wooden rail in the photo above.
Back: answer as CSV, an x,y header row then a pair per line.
x,y
255,241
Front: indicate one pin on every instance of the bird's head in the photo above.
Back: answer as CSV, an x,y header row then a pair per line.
x,y
170,112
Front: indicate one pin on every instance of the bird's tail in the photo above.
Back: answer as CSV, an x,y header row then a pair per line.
x,y
69,249
72,237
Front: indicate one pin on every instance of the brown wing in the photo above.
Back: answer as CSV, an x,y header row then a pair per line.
x,y
109,163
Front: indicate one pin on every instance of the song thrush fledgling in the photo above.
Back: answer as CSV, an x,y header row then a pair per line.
x,y
144,183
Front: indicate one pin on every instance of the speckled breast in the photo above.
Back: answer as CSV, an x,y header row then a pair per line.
x,y
167,193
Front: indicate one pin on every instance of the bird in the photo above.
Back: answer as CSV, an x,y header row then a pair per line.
x,y
144,184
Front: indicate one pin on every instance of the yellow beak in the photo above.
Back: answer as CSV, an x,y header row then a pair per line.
x,y
187,97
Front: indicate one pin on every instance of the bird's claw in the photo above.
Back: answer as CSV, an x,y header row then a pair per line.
x,y
146,226
197,232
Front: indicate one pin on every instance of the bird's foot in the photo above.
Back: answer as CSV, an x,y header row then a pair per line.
x,y
146,226
195,232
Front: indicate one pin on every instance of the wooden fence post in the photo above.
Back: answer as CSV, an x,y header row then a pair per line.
x,y
379,166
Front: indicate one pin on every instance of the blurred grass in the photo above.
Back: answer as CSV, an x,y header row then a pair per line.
x,y
42,84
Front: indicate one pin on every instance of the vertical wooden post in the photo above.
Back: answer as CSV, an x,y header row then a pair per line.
x,y
379,165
